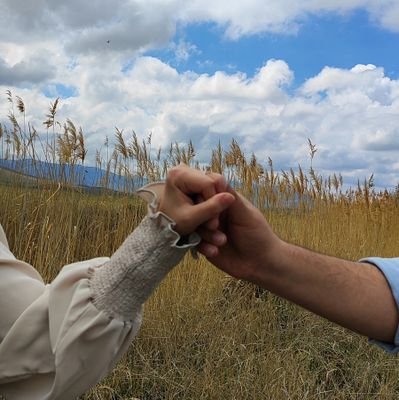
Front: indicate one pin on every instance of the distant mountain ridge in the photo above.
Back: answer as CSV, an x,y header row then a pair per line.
x,y
78,175
96,179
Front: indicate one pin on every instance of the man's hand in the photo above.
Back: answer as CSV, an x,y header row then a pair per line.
x,y
250,244
354,295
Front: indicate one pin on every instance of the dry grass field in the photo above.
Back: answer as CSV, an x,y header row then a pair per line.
x,y
204,335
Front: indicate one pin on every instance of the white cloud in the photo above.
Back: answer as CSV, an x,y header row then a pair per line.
x,y
381,139
354,128
283,16
351,114
184,50
32,71
367,80
267,83
133,25
81,27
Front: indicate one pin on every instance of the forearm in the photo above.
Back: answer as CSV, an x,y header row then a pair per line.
x,y
123,284
354,295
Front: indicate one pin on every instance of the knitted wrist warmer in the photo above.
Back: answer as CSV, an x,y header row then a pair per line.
x,y
121,285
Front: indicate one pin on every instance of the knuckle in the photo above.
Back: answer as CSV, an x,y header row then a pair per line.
x,y
174,173
220,182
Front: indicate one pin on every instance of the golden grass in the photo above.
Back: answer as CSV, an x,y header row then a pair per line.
x,y
205,336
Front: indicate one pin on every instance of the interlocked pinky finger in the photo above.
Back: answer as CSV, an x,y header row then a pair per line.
x,y
212,237
208,250
212,224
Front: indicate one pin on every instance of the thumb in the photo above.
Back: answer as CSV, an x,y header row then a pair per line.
x,y
208,209
240,208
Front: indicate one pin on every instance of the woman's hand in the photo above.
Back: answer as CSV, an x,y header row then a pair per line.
x,y
192,198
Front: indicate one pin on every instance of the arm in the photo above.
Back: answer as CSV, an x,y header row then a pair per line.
x,y
60,339
354,295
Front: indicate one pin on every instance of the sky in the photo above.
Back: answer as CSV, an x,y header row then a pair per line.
x,y
269,73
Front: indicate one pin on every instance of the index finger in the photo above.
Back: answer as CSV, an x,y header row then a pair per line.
x,y
192,181
221,183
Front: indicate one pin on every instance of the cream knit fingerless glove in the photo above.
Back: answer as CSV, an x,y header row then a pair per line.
x,y
121,285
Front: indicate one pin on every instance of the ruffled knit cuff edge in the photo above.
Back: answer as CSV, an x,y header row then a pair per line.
x,y
151,193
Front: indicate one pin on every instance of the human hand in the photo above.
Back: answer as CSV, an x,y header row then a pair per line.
x,y
250,243
354,295
192,198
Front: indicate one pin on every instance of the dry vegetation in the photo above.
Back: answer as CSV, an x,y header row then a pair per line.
x,y
205,336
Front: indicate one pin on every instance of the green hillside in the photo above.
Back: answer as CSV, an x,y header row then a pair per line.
x,y
8,177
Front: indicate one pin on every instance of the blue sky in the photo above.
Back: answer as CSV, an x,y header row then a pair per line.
x,y
268,74
335,40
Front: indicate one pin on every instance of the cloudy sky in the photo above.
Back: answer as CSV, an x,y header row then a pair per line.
x,y
270,73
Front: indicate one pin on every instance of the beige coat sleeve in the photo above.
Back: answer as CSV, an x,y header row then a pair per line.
x,y
58,340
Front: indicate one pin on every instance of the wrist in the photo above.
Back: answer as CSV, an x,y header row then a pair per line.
x,y
266,266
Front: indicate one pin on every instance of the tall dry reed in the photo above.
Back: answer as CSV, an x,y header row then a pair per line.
x,y
205,336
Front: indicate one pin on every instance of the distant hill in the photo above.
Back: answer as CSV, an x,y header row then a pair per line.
x,y
8,177
78,175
